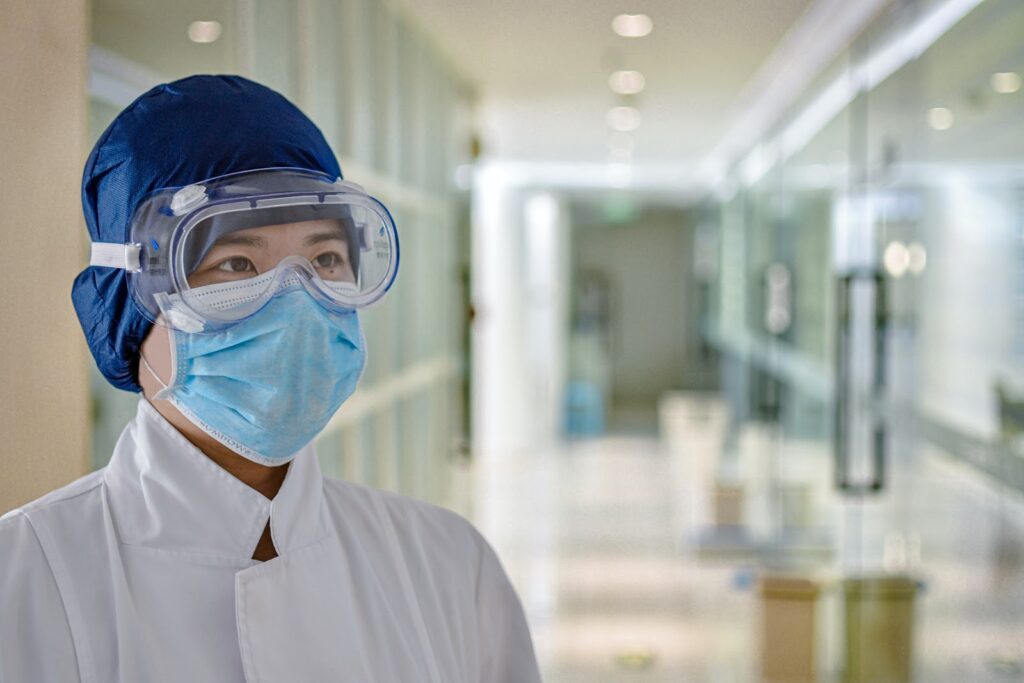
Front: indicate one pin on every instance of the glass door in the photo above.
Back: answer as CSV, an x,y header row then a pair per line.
x,y
929,358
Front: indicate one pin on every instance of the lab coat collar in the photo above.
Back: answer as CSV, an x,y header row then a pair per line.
x,y
165,493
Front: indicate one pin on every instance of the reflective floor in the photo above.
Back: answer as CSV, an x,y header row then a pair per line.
x,y
601,539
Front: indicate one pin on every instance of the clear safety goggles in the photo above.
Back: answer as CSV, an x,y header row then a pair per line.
x,y
208,255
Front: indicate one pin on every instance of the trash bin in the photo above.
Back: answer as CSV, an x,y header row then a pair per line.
x,y
788,629
728,504
879,628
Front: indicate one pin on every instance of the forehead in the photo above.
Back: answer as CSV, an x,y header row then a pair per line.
x,y
323,227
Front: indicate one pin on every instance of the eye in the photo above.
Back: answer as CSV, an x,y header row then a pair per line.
x,y
236,264
329,260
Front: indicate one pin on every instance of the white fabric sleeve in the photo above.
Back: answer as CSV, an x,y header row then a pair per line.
x,y
35,638
506,650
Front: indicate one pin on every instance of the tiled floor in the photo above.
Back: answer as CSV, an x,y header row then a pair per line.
x,y
595,536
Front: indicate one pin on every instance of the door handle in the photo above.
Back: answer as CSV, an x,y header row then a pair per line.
x,y
842,431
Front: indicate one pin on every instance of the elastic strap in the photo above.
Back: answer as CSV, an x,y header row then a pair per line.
x,y
114,255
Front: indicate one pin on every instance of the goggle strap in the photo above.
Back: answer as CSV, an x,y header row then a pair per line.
x,y
114,255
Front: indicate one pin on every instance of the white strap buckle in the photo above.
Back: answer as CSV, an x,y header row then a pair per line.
x,y
113,255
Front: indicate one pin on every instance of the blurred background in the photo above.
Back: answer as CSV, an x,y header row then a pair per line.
x,y
710,316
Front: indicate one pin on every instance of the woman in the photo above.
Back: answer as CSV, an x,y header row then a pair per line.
x,y
229,260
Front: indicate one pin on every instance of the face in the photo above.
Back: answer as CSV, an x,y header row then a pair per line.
x,y
240,255
251,252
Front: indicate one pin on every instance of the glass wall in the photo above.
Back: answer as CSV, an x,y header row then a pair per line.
x,y
387,101
869,305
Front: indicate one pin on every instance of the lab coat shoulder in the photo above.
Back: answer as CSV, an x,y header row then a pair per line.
x,y
449,558
426,533
36,641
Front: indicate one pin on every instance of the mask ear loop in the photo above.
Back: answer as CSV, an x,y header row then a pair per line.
x,y
165,390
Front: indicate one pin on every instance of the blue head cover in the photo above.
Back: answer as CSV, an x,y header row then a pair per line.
x,y
176,134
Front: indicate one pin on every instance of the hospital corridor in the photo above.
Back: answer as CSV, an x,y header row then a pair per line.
x,y
640,341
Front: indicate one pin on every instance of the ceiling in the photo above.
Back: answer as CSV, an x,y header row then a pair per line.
x,y
540,70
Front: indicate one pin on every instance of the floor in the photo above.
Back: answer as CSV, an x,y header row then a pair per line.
x,y
607,541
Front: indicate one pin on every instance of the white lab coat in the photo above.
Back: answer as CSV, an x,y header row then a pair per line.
x,y
142,572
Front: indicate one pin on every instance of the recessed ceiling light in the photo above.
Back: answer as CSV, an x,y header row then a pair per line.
x,y
632,25
624,118
1005,82
896,259
204,31
940,118
627,82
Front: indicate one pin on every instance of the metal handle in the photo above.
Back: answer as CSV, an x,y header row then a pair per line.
x,y
843,480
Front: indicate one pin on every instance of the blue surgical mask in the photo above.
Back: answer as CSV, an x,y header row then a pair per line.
x,y
266,386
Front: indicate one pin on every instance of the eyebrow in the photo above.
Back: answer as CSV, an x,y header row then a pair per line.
x,y
319,237
247,240
261,242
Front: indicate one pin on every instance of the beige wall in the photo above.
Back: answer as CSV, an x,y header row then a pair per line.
x,y
43,378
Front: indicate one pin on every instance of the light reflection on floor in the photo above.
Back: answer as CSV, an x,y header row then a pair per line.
x,y
592,535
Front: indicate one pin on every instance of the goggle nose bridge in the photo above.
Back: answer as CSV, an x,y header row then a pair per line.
x,y
296,270
295,262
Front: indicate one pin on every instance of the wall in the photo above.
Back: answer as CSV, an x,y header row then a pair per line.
x,y
44,404
649,263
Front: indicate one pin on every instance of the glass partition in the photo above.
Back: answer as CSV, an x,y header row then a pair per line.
x,y
870,310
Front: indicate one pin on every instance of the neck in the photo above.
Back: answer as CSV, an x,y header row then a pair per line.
x,y
265,479
262,478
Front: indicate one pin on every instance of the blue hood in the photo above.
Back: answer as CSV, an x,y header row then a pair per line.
x,y
175,134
